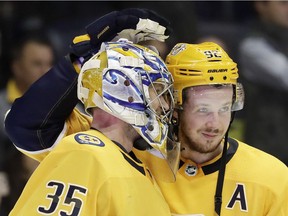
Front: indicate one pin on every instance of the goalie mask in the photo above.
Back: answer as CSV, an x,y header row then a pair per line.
x,y
132,83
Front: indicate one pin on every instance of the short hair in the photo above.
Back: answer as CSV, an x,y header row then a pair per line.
x,y
34,37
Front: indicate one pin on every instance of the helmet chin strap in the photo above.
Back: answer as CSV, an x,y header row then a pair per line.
x,y
221,173
141,144
174,126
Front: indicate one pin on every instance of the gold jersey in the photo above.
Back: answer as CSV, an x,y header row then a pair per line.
x,y
88,174
255,184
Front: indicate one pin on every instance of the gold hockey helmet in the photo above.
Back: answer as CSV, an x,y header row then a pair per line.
x,y
203,64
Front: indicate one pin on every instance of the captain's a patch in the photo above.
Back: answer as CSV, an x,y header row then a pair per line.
x,y
88,139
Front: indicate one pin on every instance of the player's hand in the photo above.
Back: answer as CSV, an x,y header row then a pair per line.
x,y
133,24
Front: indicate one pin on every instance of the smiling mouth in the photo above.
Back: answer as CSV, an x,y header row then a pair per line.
x,y
209,135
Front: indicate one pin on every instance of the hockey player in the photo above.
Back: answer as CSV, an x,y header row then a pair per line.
x,y
127,90
217,174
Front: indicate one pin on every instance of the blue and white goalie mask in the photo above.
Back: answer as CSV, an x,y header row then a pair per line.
x,y
132,83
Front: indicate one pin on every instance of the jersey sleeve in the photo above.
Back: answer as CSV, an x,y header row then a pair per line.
x,y
37,119
76,122
278,200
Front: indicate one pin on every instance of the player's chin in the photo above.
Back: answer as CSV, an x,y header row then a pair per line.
x,y
211,143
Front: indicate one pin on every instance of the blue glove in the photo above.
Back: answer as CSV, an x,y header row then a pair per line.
x,y
133,24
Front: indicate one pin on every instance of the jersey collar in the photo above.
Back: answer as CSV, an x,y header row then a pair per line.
x,y
214,166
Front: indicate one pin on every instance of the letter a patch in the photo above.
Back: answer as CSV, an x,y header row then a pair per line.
x,y
239,196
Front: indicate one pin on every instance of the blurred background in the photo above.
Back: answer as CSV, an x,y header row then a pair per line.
x,y
62,20
254,34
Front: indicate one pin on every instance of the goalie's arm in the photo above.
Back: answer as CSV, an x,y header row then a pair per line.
x,y
37,118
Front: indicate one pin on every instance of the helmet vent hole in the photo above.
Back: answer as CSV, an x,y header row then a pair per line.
x,y
216,60
130,99
126,82
211,78
150,127
125,48
224,78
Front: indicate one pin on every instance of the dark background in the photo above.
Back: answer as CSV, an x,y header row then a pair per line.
x,y
62,20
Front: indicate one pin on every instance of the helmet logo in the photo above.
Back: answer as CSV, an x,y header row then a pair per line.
x,y
217,70
178,48
191,170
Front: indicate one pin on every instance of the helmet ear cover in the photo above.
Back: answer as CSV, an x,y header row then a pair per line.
x,y
203,64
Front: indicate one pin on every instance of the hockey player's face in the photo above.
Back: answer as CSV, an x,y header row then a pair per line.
x,y
206,117
160,100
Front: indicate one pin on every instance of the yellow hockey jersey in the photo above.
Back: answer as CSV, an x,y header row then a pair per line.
x,y
87,174
255,184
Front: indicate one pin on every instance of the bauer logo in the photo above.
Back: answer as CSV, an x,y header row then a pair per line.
x,y
217,70
88,139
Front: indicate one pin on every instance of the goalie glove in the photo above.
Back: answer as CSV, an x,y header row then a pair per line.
x,y
133,24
